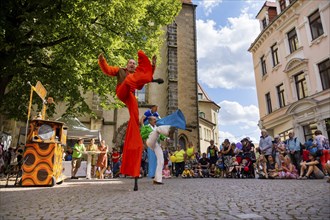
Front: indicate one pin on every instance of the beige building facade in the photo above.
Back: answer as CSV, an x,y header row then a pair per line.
x,y
291,58
208,120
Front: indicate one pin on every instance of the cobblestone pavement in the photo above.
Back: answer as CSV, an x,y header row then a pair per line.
x,y
176,199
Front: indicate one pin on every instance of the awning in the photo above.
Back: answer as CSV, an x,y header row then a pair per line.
x,y
76,129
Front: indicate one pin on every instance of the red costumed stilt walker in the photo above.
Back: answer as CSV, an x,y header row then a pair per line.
x,y
127,83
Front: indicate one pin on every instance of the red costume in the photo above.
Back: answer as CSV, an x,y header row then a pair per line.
x,y
125,89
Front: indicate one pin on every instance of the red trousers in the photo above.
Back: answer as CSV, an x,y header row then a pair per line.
x,y
133,145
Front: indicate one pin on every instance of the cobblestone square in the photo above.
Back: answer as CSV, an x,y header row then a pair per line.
x,y
176,199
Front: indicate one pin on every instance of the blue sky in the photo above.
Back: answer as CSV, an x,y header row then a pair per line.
x,y
225,30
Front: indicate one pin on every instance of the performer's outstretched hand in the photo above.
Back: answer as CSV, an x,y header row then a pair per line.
x,y
101,57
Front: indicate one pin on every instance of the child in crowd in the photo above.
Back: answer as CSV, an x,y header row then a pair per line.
x,y
244,168
166,172
212,171
289,170
108,173
198,171
187,173
234,167
262,167
220,165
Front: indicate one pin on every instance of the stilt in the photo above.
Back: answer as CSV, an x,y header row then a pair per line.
x,y
136,183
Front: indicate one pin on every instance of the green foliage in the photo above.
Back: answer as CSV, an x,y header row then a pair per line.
x,y
57,43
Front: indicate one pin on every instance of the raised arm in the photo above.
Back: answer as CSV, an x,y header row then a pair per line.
x,y
108,70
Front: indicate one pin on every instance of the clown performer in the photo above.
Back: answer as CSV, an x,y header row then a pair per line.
x,y
128,80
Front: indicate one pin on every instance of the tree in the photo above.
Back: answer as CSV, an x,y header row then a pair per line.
x,y
57,42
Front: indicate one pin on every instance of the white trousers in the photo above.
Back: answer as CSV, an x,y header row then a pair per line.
x,y
155,146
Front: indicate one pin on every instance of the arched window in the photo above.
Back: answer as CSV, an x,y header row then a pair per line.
x,y
183,141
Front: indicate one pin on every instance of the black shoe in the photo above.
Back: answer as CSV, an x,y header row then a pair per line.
x,y
159,80
157,183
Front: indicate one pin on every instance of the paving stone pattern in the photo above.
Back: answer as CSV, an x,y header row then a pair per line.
x,y
176,199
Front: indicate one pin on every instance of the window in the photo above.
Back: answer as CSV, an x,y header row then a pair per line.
x,y
293,40
324,69
263,65
282,5
200,96
141,95
274,49
280,94
309,131
315,24
202,114
264,23
301,86
269,103
285,134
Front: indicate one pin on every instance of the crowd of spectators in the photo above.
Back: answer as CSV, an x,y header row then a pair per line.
x,y
273,159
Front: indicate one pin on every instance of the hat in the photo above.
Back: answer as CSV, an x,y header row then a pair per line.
x,y
186,166
277,136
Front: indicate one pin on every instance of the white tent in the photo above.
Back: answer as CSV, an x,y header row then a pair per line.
x,y
76,129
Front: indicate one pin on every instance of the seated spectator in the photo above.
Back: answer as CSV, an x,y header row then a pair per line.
x,y
245,169
108,173
187,173
220,164
116,169
234,168
272,167
327,168
166,172
288,169
262,167
198,171
205,163
311,168
212,171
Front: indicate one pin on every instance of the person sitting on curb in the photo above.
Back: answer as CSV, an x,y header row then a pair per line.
x,y
313,168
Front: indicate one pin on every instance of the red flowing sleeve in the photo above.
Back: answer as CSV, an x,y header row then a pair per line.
x,y
108,70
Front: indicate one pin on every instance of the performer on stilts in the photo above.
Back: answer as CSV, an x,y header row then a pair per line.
x,y
128,80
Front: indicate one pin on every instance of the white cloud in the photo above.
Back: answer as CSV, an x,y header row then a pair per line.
x,y
223,59
233,113
254,136
208,5
237,121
